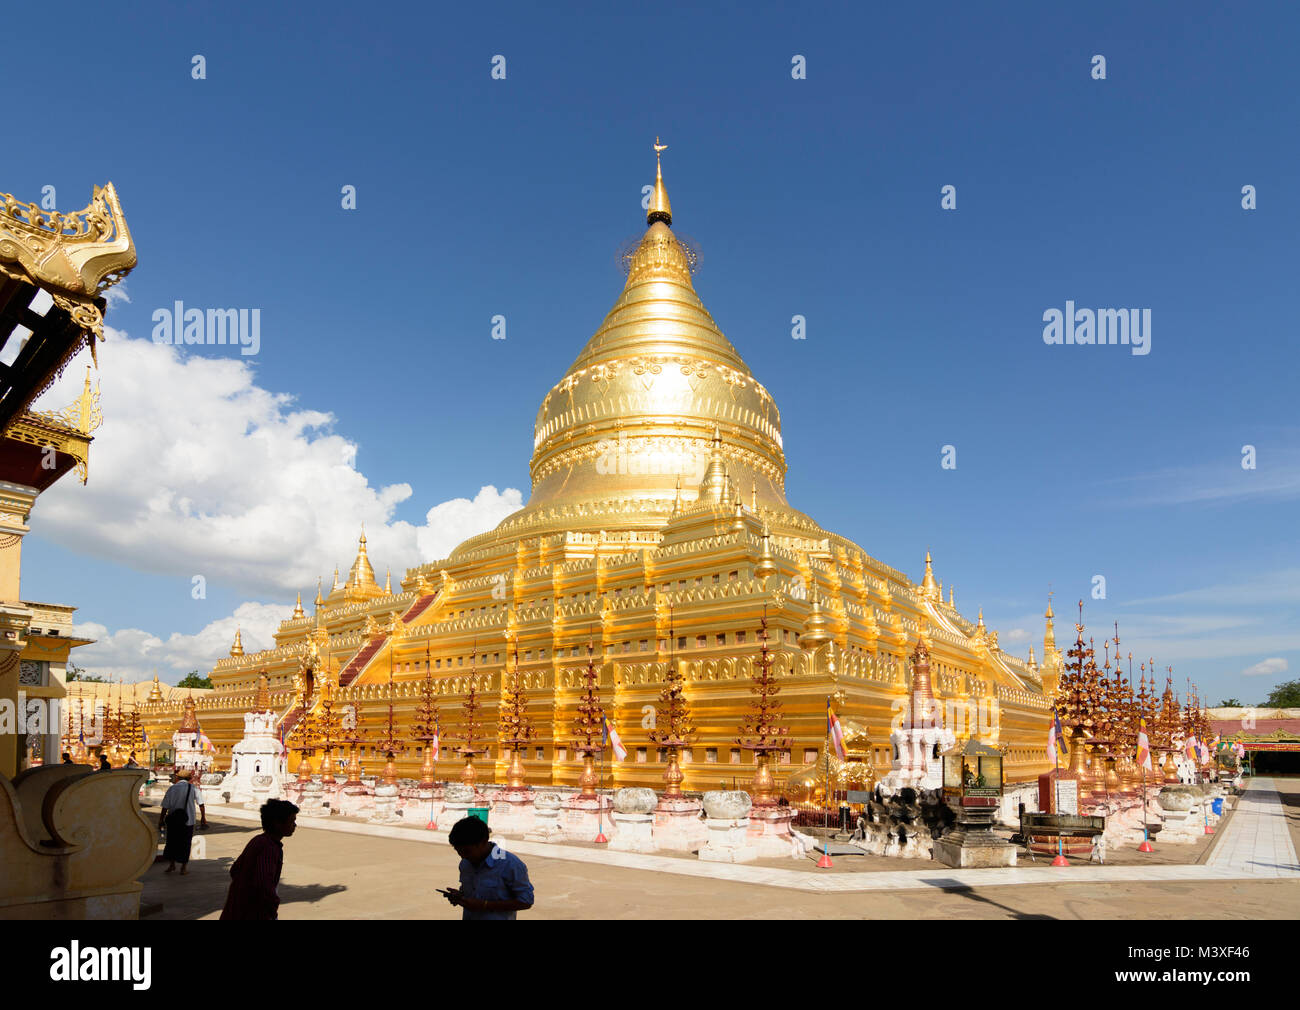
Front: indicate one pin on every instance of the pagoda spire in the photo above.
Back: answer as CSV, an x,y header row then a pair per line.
x,y
237,649
713,488
319,600
388,581
361,574
660,209
297,607
929,588
1049,633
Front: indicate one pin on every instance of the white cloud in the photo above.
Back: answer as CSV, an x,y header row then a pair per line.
x,y
197,470
454,521
133,654
1275,478
1015,635
1266,668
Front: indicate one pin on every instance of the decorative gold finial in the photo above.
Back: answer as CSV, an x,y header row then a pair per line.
x,y
929,588
660,209
155,692
319,600
766,565
297,607
815,633
238,648
388,580
262,701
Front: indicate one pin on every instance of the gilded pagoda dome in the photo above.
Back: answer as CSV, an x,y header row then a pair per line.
x,y
656,396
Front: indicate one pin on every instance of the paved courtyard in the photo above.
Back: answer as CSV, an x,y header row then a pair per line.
x,y
364,872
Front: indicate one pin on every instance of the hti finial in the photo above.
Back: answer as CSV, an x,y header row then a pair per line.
x,y
660,209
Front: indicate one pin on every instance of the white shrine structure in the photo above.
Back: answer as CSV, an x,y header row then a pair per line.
x,y
187,743
259,763
922,737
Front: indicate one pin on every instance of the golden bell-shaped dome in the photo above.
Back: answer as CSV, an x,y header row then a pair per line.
x,y
640,406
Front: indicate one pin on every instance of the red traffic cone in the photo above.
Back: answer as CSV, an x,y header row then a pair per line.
x,y
1146,846
431,826
1209,830
1060,860
825,862
601,839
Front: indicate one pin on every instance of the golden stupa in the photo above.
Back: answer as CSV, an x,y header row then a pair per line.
x,y
658,531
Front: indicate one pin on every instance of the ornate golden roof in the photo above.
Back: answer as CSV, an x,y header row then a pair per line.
x,y
78,254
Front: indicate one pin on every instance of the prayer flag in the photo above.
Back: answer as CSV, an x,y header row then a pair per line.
x,y
1144,746
611,734
836,732
1056,738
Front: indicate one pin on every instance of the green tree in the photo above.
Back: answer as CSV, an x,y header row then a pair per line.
x,y
1285,695
192,679
75,673
1231,703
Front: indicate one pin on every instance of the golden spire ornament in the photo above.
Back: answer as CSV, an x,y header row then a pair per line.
x,y
814,634
678,729
588,726
929,588
760,731
426,728
297,608
514,725
660,209
765,566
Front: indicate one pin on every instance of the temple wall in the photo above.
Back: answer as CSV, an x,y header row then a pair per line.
x,y
553,596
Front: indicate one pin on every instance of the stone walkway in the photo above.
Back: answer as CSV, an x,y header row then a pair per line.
x,y
1255,844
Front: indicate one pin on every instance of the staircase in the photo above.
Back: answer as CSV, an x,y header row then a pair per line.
x,y
361,660
289,720
358,663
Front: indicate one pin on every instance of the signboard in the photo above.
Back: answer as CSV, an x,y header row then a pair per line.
x,y
1068,792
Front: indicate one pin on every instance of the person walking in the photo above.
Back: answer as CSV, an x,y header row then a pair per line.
x,y
255,875
179,804
493,882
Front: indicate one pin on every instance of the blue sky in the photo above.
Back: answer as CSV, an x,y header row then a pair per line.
x,y
818,197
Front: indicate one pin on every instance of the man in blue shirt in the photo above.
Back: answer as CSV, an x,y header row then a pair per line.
x,y
493,883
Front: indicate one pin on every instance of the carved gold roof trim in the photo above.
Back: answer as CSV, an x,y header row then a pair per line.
x,y
80,254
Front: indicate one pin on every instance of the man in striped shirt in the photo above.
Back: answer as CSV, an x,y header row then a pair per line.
x,y
255,875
